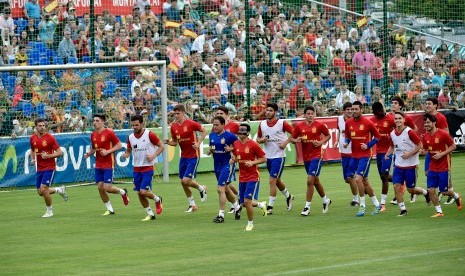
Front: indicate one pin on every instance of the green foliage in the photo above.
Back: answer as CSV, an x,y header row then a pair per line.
x,y
79,241
437,9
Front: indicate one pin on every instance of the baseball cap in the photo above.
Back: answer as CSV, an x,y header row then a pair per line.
x,y
15,122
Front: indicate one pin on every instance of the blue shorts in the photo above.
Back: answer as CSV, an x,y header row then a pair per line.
x,y
438,180
275,166
188,167
45,178
384,166
360,166
345,160
104,175
143,180
427,161
224,174
401,175
248,190
313,167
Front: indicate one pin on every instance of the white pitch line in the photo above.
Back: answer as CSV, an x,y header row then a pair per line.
x,y
363,262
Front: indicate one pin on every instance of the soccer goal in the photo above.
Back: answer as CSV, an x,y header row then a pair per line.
x,y
67,96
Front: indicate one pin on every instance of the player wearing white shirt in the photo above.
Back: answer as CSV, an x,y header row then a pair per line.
x,y
145,147
406,145
346,152
272,133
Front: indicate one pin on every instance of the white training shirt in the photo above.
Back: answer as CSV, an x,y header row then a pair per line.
x,y
276,135
403,143
141,147
341,124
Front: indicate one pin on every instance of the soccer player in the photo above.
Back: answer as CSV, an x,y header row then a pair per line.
x,y
44,150
232,127
406,145
439,145
145,146
272,133
363,135
249,155
104,145
385,125
184,132
312,134
431,107
397,104
221,142
346,152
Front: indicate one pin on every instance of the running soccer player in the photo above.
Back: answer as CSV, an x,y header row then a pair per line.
x,y
397,104
232,127
272,133
145,146
184,132
363,135
406,145
312,134
104,145
431,107
249,155
385,125
439,145
221,142
346,152
44,150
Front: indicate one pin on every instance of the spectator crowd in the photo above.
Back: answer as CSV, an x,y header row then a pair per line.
x,y
297,55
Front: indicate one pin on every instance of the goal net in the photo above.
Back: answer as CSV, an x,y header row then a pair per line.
x,y
67,96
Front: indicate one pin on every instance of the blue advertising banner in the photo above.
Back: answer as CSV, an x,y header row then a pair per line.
x,y
15,168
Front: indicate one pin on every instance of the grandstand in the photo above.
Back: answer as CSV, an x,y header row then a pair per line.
x,y
219,53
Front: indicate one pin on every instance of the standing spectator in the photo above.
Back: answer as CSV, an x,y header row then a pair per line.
x,y
377,73
6,21
397,68
66,47
369,35
47,29
363,61
82,47
32,10
235,72
44,150
342,43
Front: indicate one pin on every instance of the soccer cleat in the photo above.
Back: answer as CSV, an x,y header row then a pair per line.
x,y
264,209
305,212
394,201
428,199
203,195
231,211
450,200
383,208
237,213
149,217
269,210
354,203
289,201
437,215
125,197
64,195
403,213
108,212
326,206
159,206
218,219
413,198
48,214
192,209
361,211
459,203
249,227
376,210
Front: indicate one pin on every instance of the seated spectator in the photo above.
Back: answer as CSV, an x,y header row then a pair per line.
x,y
235,72
211,92
359,95
82,47
6,21
21,58
107,53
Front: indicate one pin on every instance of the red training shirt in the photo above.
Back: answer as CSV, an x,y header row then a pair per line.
x,y
104,140
186,135
48,144
310,133
244,152
360,132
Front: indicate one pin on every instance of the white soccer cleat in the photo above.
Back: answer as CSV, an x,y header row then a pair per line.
x,y
64,195
48,214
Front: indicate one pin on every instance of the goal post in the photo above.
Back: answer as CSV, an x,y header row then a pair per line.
x,y
67,96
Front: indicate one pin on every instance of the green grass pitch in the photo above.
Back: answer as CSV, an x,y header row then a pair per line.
x,y
78,240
